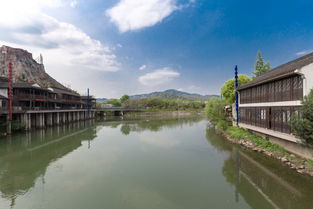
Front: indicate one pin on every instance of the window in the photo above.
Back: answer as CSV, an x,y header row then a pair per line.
x,y
263,114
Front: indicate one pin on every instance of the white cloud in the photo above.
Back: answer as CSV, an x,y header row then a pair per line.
x,y
136,14
303,52
158,77
62,44
73,3
143,67
165,141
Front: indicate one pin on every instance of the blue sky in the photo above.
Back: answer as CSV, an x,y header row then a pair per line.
x,y
138,46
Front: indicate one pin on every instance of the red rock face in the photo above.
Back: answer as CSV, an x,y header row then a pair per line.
x,y
25,68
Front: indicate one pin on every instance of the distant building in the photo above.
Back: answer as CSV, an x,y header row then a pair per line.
x,y
28,96
267,103
38,99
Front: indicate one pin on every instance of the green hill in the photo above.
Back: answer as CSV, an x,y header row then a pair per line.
x,y
174,94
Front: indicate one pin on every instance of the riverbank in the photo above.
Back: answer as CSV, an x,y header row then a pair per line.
x,y
258,144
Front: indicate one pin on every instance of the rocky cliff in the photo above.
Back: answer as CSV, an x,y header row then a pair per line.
x,y
26,69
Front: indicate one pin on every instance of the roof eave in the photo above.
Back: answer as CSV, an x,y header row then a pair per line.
x,y
267,80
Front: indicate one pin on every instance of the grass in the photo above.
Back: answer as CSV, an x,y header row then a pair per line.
x,y
309,164
239,133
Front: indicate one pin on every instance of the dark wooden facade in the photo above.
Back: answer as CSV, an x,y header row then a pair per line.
x,y
273,118
286,89
276,118
44,99
29,97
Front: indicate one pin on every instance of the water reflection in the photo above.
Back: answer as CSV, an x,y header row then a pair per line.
x,y
143,163
263,182
128,125
25,157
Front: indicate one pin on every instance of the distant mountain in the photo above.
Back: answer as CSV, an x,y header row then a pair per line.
x,y
102,99
174,94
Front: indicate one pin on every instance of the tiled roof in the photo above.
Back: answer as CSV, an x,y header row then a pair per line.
x,y
4,84
280,71
65,91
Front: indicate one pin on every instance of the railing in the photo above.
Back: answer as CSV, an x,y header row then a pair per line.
x,y
42,98
32,96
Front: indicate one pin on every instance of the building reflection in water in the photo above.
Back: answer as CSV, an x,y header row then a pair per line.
x,y
18,168
263,182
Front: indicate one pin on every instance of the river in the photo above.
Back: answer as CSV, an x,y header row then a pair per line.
x,y
147,163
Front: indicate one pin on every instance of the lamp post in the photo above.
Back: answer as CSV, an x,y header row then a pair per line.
x,y
236,95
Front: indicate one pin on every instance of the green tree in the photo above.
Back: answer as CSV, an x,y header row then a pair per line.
x,y
228,89
260,66
302,124
164,104
114,102
124,98
214,109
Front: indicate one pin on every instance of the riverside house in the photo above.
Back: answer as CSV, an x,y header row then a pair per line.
x,y
38,100
267,103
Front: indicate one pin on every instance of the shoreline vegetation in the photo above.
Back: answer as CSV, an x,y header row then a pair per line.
x,y
215,112
253,142
154,106
160,113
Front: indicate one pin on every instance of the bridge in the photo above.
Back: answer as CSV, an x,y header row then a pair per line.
x,y
117,111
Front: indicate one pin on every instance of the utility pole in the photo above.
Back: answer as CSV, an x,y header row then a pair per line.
x,y
10,97
88,102
10,91
236,92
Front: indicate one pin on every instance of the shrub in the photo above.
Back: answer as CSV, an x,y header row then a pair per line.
x,y
222,125
302,124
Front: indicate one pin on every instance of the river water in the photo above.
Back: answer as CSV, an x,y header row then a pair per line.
x,y
148,163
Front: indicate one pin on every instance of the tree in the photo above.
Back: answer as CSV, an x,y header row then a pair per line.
x,y
302,124
124,98
228,89
114,102
214,109
260,66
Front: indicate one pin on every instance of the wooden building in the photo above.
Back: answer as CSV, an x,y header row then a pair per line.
x,y
267,103
27,96
38,100
38,107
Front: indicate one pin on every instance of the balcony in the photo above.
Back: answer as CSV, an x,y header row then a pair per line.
x,y
45,98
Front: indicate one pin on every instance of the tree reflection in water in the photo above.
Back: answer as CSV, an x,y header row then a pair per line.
x,y
263,182
19,154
